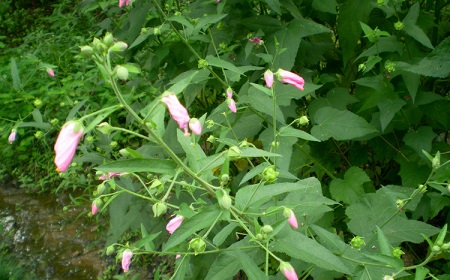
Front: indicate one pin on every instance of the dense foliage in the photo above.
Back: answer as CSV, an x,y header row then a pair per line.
x,y
346,176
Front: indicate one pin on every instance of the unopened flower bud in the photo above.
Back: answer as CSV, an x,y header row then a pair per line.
x,y
124,152
225,178
159,209
446,246
99,46
54,121
210,123
113,144
108,39
422,188
436,248
110,250
101,189
39,134
87,51
156,31
400,203
119,47
104,128
380,2
267,229
202,64
234,152
397,252
211,139
303,120
198,245
269,174
37,103
275,144
122,72
398,25
225,201
259,236
357,242
388,277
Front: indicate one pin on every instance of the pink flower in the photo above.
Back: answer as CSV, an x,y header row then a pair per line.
x,y
217,1
12,136
177,256
195,126
126,260
290,78
50,72
256,40
123,2
94,208
230,100
292,220
288,271
177,111
66,144
174,223
268,77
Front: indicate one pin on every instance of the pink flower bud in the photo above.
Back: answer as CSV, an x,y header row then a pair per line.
x,y
256,40
177,256
12,136
121,3
290,78
268,77
288,271
292,220
177,111
231,105
66,144
126,260
195,126
174,223
94,208
50,72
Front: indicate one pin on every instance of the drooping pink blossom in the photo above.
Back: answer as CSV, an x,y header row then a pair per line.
x,y
50,72
268,77
12,136
126,260
195,126
230,101
290,78
292,220
256,40
177,256
94,208
177,111
288,271
174,223
66,144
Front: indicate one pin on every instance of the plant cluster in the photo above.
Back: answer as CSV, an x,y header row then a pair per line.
x,y
270,138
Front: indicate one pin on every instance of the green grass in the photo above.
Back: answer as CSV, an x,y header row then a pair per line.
x,y
10,269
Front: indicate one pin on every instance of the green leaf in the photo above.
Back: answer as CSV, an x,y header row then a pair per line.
x,y
350,189
420,140
388,108
263,89
289,38
222,235
228,263
181,82
261,103
218,62
254,171
383,243
274,5
436,64
155,165
341,125
384,44
197,222
193,151
351,13
204,22
338,98
412,82
257,195
330,240
326,6
370,63
99,118
75,110
410,27
254,152
421,273
17,84
298,246
288,131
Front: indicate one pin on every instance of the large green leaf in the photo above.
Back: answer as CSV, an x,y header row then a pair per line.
x,y
410,27
341,125
288,131
197,222
388,108
350,189
326,6
421,139
436,64
155,165
351,13
17,84
379,209
257,195
299,246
